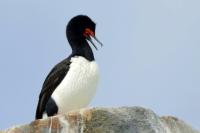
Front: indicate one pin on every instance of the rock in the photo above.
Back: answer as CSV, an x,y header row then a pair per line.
x,y
106,120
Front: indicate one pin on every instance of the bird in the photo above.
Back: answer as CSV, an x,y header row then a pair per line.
x,y
72,83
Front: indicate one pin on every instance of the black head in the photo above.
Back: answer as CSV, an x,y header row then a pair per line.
x,y
79,29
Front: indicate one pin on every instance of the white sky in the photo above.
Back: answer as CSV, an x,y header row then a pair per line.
x,y
150,56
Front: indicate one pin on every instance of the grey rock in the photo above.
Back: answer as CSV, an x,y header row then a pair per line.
x,y
106,120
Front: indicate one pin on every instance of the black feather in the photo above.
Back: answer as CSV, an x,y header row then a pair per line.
x,y
53,79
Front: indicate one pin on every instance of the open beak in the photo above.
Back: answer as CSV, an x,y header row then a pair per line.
x,y
95,38
88,34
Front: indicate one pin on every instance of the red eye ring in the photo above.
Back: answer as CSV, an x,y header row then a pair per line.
x,y
88,32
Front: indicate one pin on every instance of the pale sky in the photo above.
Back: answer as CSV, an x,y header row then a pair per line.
x,y
150,58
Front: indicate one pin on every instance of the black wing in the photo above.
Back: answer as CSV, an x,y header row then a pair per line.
x,y
53,79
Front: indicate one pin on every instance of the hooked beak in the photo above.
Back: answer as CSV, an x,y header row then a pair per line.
x,y
88,34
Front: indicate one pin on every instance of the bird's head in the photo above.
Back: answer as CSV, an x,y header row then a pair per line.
x,y
81,28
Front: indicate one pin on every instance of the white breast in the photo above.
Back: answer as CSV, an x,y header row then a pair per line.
x,y
79,85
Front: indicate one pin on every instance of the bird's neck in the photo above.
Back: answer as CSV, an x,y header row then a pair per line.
x,y
82,48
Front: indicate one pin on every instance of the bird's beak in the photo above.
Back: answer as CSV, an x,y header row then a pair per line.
x,y
88,34
95,38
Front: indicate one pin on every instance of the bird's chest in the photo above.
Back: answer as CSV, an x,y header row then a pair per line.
x,y
78,86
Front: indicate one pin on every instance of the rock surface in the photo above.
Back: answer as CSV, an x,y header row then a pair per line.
x,y
106,120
